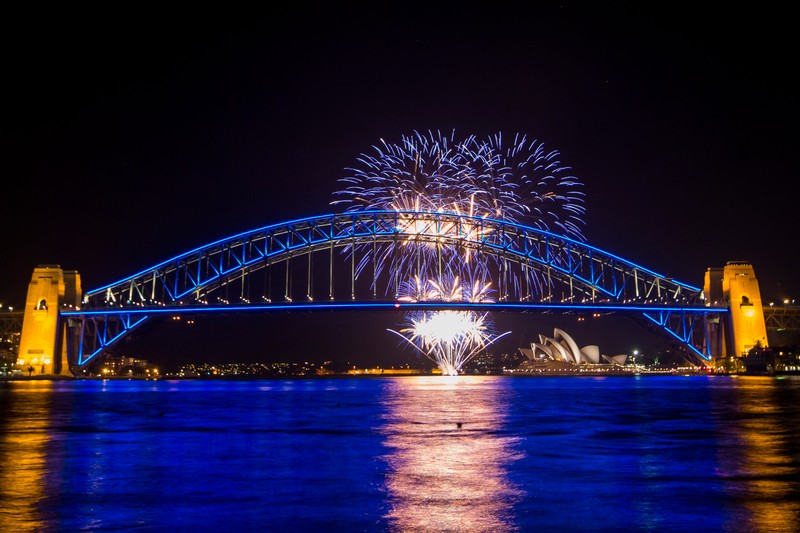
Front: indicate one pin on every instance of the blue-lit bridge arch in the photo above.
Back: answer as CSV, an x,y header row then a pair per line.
x,y
351,260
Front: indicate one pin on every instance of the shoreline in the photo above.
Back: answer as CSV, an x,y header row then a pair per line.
x,y
368,376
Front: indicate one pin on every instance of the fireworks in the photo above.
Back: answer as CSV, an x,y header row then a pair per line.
x,y
448,338
521,183
445,290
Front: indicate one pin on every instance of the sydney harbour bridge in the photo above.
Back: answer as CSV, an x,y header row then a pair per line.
x,y
444,228
352,261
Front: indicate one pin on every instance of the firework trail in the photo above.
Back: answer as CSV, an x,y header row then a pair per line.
x,y
448,338
521,183
446,289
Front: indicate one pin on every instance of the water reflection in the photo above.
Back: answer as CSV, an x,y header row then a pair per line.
x,y
761,462
450,451
24,415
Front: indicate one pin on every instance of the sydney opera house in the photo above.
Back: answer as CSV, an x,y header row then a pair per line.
x,y
561,353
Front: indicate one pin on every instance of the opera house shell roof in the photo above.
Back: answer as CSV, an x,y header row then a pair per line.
x,y
561,347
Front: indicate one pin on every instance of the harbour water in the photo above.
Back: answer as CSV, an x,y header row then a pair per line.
x,y
406,453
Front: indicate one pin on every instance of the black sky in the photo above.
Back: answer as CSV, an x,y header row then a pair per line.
x,y
129,137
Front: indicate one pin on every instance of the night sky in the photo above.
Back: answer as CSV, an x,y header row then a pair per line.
x,y
131,137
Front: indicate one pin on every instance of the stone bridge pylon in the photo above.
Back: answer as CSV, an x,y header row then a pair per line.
x,y
43,344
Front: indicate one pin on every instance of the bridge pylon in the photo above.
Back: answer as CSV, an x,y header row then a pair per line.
x,y
735,286
43,343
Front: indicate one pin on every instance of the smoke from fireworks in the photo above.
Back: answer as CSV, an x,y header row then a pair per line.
x,y
521,183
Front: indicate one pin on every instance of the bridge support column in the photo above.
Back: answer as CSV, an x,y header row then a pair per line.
x,y
718,328
740,287
736,286
43,346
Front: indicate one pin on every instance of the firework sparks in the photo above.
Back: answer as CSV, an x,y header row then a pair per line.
x,y
433,173
448,338
445,290
522,183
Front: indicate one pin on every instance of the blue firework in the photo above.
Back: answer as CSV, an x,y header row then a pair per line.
x,y
519,182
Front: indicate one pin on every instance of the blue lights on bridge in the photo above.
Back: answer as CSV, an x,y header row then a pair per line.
x,y
311,264
329,306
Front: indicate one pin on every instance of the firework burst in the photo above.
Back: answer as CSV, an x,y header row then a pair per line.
x,y
448,338
447,289
521,183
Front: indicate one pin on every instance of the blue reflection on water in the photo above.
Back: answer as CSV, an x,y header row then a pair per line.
x,y
695,453
618,453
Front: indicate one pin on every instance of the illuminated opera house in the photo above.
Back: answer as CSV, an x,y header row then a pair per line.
x,y
560,353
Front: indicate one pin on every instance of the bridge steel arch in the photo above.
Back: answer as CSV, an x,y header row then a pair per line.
x,y
350,260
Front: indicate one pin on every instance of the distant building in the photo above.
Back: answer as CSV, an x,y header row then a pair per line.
x,y
126,366
489,363
562,348
770,361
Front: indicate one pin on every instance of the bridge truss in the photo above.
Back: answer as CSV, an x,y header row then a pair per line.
x,y
782,318
363,259
10,323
